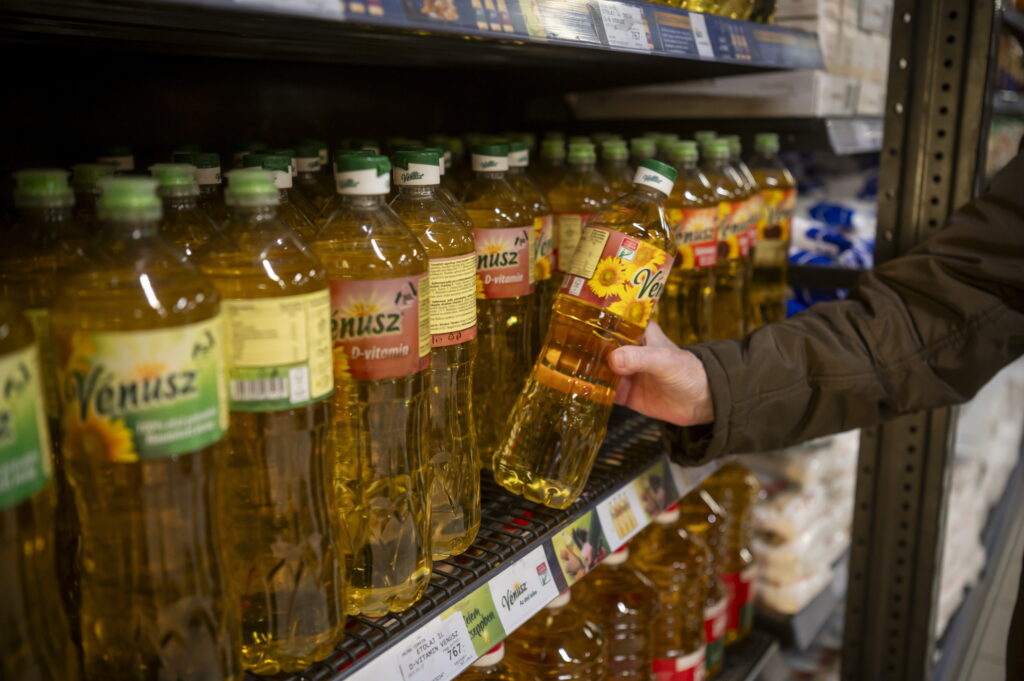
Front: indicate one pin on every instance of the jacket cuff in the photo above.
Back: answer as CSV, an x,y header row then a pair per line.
x,y
695,445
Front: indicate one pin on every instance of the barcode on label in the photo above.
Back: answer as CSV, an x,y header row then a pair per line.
x,y
260,389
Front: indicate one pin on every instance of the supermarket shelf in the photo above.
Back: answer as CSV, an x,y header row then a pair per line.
x,y
649,42
800,630
514,567
755,658
819,277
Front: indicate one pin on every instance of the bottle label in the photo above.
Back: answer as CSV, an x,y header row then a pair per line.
x,y
380,328
208,175
24,438
307,165
733,239
740,589
278,350
774,230
686,668
417,174
618,273
503,262
715,622
39,318
452,300
755,213
544,247
695,234
568,228
136,395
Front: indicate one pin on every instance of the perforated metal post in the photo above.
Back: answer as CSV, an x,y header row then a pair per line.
x,y
931,157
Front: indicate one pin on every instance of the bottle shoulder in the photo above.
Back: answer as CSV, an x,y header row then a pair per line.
x,y
368,243
493,203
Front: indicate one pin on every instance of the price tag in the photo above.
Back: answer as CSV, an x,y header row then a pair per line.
x,y
624,26
322,8
701,36
523,589
438,651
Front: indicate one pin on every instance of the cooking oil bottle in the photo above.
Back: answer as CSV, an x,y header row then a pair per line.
x,y
309,178
701,516
445,196
380,327
736,490
492,666
325,174
581,193
449,179
551,169
543,239
675,560
752,212
778,200
281,557
663,142
85,180
727,311
615,167
211,190
144,413
641,149
451,264
288,209
623,602
35,641
560,644
183,221
616,277
685,310
503,231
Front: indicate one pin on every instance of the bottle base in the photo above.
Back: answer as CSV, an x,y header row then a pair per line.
x,y
290,655
377,602
550,493
446,546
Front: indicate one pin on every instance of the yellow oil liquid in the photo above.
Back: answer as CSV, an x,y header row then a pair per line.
x,y
546,283
581,193
186,224
623,602
153,595
280,540
35,641
549,173
752,212
493,666
701,516
736,490
771,261
706,6
310,185
380,425
559,644
453,457
727,310
619,176
293,217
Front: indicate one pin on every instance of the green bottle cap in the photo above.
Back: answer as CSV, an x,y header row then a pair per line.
x,y
518,154
643,147
716,149
579,139
363,175
351,152
251,187
275,160
553,149
703,136
766,142
307,158
175,178
362,144
653,173
85,176
735,147
321,148
665,141
614,150
283,151
205,159
582,152
279,163
686,150
128,198
490,157
518,145
182,156
418,167
41,187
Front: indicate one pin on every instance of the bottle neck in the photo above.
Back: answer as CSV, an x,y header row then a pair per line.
x,y
615,162
650,193
206,190
417,191
550,162
251,214
179,201
136,228
490,174
514,171
582,166
688,165
364,200
47,214
717,165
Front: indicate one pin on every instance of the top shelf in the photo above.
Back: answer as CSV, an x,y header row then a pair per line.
x,y
649,42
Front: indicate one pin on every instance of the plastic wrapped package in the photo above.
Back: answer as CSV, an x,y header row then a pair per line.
x,y
815,462
786,514
793,561
789,599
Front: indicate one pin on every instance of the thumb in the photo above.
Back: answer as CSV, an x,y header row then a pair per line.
x,y
633,359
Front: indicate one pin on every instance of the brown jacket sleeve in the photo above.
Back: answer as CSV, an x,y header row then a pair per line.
x,y
924,330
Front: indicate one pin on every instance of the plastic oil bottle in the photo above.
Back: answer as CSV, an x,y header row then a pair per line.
x,y
287,210
774,230
211,190
663,142
727,312
444,194
685,310
560,643
701,516
736,490
309,178
641,148
297,197
281,557
141,337
451,264
551,169
581,193
616,278
675,560
85,179
183,221
503,231
492,666
623,602
325,175
543,239
35,641
753,212
380,328
615,166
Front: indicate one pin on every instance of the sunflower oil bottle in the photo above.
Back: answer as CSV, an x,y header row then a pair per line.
x,y
183,221
615,167
551,169
309,179
623,602
211,190
581,193
675,560
663,142
144,415
449,180
771,257
492,666
288,209
282,561
701,516
85,180
325,174
727,311
736,490
543,239
614,282
120,156
560,643
641,149
380,327
685,310
751,213
451,264
35,641
445,196
503,231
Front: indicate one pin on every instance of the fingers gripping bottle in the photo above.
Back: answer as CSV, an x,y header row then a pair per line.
x,y
685,310
503,231
492,666
380,327
623,602
282,561
454,462
727,313
615,166
35,641
702,517
560,644
752,213
287,210
85,179
606,300
183,221
144,415
778,198
675,561
581,193
543,239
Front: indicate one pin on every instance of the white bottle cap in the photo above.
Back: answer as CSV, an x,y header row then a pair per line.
x,y
618,557
560,602
491,657
490,164
669,516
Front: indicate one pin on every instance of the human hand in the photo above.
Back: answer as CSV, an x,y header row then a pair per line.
x,y
663,381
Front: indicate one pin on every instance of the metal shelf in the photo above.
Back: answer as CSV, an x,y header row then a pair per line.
x,y
755,658
801,629
513,568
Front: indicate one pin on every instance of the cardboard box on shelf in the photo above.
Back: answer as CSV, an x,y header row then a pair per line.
x,y
870,99
830,38
875,16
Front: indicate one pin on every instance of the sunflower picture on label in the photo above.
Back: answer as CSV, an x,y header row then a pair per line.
x,y
695,232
